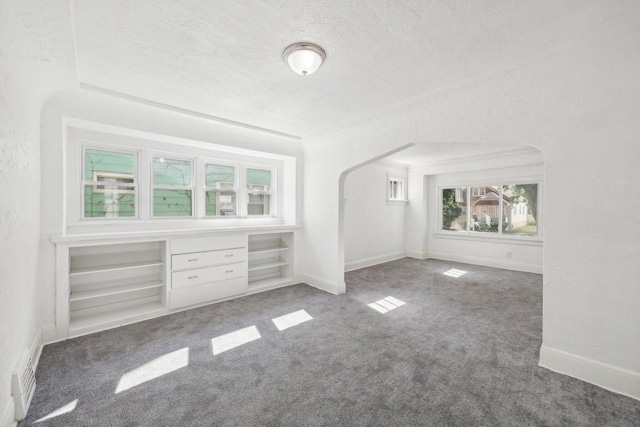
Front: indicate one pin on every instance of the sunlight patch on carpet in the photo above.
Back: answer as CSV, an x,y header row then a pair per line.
x,y
234,339
386,304
60,411
291,319
454,273
158,367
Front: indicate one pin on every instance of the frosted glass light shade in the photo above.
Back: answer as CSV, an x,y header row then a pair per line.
x,y
304,58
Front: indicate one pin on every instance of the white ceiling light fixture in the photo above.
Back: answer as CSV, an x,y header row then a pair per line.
x,y
304,58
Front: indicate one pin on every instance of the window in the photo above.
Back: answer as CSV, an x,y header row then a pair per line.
x,y
396,190
220,190
172,187
478,191
484,207
109,184
145,184
454,209
521,209
258,192
508,209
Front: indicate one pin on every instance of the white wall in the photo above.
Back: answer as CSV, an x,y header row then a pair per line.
x,y
36,59
579,105
526,255
374,228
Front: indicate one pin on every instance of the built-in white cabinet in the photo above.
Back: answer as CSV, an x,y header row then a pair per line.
x,y
109,283
207,269
104,281
270,260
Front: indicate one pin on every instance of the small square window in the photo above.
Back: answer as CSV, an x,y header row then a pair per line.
x,y
396,190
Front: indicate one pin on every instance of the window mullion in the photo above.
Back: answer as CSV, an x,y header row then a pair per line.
x,y
500,210
468,209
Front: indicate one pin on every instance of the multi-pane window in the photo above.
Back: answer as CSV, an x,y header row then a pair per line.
x,y
510,209
142,184
109,184
258,192
220,190
172,182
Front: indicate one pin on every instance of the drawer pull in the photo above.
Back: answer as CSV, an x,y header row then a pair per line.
x,y
193,259
192,277
227,256
229,271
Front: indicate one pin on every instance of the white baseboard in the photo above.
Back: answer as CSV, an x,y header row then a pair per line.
x,y
601,374
417,255
488,262
7,417
36,348
368,262
49,334
324,285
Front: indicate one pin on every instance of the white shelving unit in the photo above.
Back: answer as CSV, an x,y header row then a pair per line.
x,y
270,261
108,280
114,284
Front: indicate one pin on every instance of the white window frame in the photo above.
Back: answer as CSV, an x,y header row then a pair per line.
x,y
402,199
143,185
535,240
84,182
236,170
246,193
153,155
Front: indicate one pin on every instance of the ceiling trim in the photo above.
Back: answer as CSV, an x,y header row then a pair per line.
x,y
180,110
524,150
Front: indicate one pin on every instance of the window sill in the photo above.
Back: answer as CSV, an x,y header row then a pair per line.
x,y
149,235
397,202
160,224
512,240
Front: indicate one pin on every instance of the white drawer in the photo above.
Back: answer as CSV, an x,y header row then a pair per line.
x,y
188,278
200,244
207,292
207,259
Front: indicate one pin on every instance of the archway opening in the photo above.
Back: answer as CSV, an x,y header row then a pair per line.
x,y
392,206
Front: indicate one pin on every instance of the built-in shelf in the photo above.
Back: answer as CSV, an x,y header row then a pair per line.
x,y
267,250
119,316
114,267
114,290
266,284
265,265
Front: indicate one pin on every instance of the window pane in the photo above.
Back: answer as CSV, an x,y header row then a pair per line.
x,y
220,176
520,211
258,180
109,201
220,203
485,208
171,172
259,204
171,202
100,163
396,189
454,209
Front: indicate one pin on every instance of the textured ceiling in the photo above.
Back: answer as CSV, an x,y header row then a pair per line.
x,y
223,58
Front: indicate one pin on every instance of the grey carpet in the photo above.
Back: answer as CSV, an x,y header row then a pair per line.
x,y
461,351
